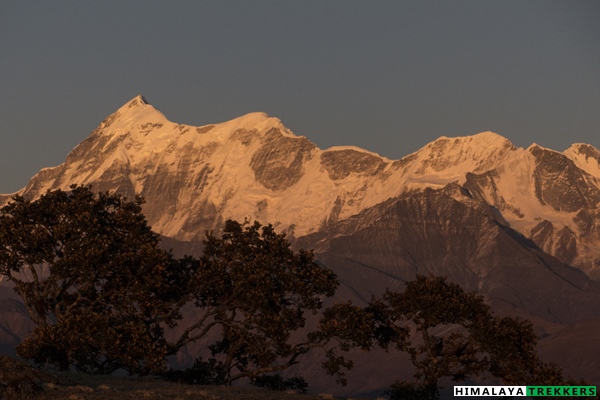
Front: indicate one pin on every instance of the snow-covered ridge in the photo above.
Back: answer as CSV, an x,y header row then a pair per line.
x,y
251,167
357,149
586,157
254,167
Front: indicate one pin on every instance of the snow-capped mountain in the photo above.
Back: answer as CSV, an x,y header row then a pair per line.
x,y
550,197
254,167
521,226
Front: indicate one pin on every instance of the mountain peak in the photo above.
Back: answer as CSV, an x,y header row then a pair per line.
x,y
137,105
254,118
257,115
137,109
138,100
450,159
535,148
586,157
584,149
258,121
489,136
484,139
479,146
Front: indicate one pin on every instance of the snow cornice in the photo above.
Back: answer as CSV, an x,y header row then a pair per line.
x,y
358,149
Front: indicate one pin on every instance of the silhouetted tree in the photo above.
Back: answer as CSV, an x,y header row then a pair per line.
x,y
455,334
93,279
345,327
253,291
426,304
101,293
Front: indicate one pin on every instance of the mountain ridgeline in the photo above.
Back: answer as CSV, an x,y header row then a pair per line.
x,y
520,226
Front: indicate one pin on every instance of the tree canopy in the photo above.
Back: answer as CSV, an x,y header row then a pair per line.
x,y
450,333
101,291
93,279
255,291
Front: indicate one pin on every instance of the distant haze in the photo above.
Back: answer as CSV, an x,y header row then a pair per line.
x,y
385,76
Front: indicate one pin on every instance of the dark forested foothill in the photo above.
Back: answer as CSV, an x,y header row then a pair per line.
x,y
102,293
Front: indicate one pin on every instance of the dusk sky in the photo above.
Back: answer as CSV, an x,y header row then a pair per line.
x,y
388,76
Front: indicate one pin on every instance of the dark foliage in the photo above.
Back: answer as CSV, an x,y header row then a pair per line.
x,y
201,373
428,303
101,292
93,279
345,326
253,290
456,335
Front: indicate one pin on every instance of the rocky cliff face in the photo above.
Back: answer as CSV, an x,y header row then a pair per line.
x,y
449,232
549,197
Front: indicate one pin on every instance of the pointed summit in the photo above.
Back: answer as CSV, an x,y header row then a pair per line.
x,y
534,147
138,100
135,111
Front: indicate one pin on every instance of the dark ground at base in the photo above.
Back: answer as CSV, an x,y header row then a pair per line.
x,y
19,380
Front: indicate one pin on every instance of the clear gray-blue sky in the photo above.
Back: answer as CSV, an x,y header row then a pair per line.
x,y
388,76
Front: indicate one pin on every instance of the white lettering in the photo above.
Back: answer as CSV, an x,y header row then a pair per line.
x,y
489,390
